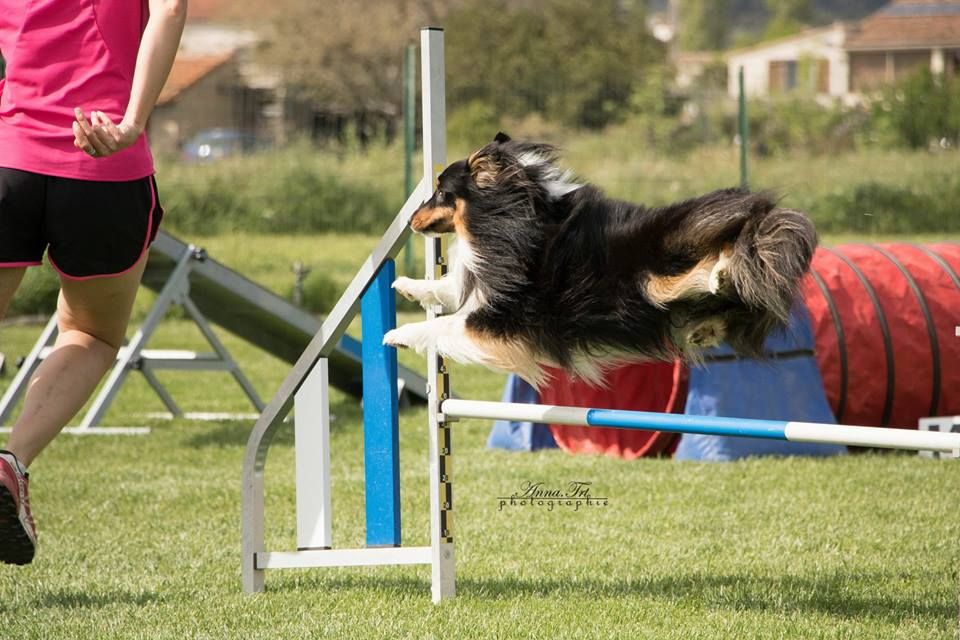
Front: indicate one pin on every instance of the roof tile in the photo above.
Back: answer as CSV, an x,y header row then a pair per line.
x,y
187,71
909,23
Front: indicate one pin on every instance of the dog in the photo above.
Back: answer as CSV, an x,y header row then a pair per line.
x,y
553,273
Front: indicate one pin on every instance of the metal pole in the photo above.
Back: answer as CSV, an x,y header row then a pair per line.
x,y
743,131
409,137
434,160
709,425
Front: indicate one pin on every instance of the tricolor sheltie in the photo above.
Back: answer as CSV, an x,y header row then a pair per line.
x,y
554,273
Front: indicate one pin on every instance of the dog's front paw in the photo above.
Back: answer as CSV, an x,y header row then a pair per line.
x,y
406,287
407,336
393,338
416,290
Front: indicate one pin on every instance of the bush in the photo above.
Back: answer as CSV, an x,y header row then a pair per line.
x,y
303,200
921,110
37,294
289,191
799,123
872,207
663,120
320,292
204,206
472,125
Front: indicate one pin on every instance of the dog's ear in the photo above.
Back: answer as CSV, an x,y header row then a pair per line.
x,y
483,167
501,137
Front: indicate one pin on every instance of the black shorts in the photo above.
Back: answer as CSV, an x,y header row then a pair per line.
x,y
89,229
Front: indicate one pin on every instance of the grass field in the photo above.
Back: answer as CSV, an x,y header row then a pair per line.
x,y
140,536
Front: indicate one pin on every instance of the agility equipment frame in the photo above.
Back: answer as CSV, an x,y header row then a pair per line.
x,y
305,390
210,293
134,356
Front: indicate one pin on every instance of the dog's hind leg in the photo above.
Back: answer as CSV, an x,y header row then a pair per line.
x,y
444,292
720,282
662,290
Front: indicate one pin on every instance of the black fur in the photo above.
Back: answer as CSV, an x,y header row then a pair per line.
x,y
565,274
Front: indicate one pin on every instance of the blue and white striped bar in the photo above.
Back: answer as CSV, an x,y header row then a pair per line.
x,y
708,425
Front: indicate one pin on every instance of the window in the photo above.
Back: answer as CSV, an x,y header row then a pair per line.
x,y
806,74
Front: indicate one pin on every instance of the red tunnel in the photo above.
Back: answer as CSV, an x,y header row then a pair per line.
x,y
885,317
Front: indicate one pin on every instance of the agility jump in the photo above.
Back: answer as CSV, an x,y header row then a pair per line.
x,y
305,390
707,425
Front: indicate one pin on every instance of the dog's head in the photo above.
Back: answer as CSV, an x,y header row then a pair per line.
x,y
503,179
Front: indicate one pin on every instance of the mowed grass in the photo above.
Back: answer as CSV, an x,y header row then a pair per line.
x,y
140,536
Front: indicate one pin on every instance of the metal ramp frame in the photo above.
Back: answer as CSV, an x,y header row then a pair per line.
x,y
183,274
135,357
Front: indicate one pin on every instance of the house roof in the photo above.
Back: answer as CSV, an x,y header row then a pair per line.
x,y
806,34
187,71
209,9
906,24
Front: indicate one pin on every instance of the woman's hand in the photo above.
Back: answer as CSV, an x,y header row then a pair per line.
x,y
100,137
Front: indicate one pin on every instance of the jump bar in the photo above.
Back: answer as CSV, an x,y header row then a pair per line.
x,y
707,425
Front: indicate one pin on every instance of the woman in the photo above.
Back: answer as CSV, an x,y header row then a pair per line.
x,y
76,181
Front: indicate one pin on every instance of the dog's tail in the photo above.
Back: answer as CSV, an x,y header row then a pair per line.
x,y
770,256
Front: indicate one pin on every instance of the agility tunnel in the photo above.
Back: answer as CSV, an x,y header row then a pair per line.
x,y
879,349
885,318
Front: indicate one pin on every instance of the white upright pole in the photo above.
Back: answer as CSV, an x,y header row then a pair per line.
x,y
434,160
311,420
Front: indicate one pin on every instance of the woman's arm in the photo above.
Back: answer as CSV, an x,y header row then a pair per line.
x,y
100,137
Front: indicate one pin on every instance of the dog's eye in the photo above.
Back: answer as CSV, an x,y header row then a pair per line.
x,y
444,196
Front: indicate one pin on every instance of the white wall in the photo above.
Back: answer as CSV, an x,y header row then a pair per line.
x,y
825,43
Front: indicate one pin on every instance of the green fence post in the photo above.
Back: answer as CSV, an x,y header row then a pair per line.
x,y
743,132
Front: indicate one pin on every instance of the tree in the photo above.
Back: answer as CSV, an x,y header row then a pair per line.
x,y
703,24
573,62
787,17
345,56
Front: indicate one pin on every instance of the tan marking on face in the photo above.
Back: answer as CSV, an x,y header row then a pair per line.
x,y
436,219
508,355
664,289
460,218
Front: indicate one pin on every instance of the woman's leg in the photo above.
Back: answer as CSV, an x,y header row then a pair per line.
x,y
92,319
10,278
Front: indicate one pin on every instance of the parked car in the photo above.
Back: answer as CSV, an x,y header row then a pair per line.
x,y
214,144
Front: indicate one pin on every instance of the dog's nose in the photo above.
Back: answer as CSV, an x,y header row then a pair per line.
x,y
416,220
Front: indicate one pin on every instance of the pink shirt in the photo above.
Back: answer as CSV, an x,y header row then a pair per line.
x,y
62,54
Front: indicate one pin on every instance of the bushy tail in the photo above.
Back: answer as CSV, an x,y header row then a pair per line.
x,y
770,256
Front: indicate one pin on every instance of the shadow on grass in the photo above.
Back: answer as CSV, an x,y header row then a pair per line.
x,y
65,598
843,596
235,433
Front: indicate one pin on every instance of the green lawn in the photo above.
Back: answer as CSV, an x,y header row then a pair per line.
x,y
140,536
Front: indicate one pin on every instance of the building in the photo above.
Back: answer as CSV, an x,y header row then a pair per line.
x,y
901,38
198,95
846,60
813,61
214,83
